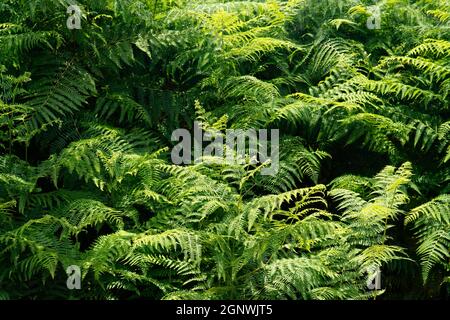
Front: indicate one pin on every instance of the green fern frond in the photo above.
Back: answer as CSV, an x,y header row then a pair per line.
x,y
61,91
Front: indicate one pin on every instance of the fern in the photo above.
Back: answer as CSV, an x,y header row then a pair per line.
x,y
431,224
86,179
61,92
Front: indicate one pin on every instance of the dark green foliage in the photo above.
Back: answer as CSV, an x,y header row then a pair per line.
x,y
86,118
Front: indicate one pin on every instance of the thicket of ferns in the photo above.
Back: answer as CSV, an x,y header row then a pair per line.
x,y
85,172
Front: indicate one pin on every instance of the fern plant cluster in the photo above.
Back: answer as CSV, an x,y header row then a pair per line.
x,y
86,177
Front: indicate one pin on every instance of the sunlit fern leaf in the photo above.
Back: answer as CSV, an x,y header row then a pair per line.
x,y
431,224
436,47
47,251
433,250
440,72
436,209
377,255
294,278
249,89
358,184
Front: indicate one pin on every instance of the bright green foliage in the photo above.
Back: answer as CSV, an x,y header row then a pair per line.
x,y
86,179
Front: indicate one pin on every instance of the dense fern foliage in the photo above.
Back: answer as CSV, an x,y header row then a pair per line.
x,y
86,177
